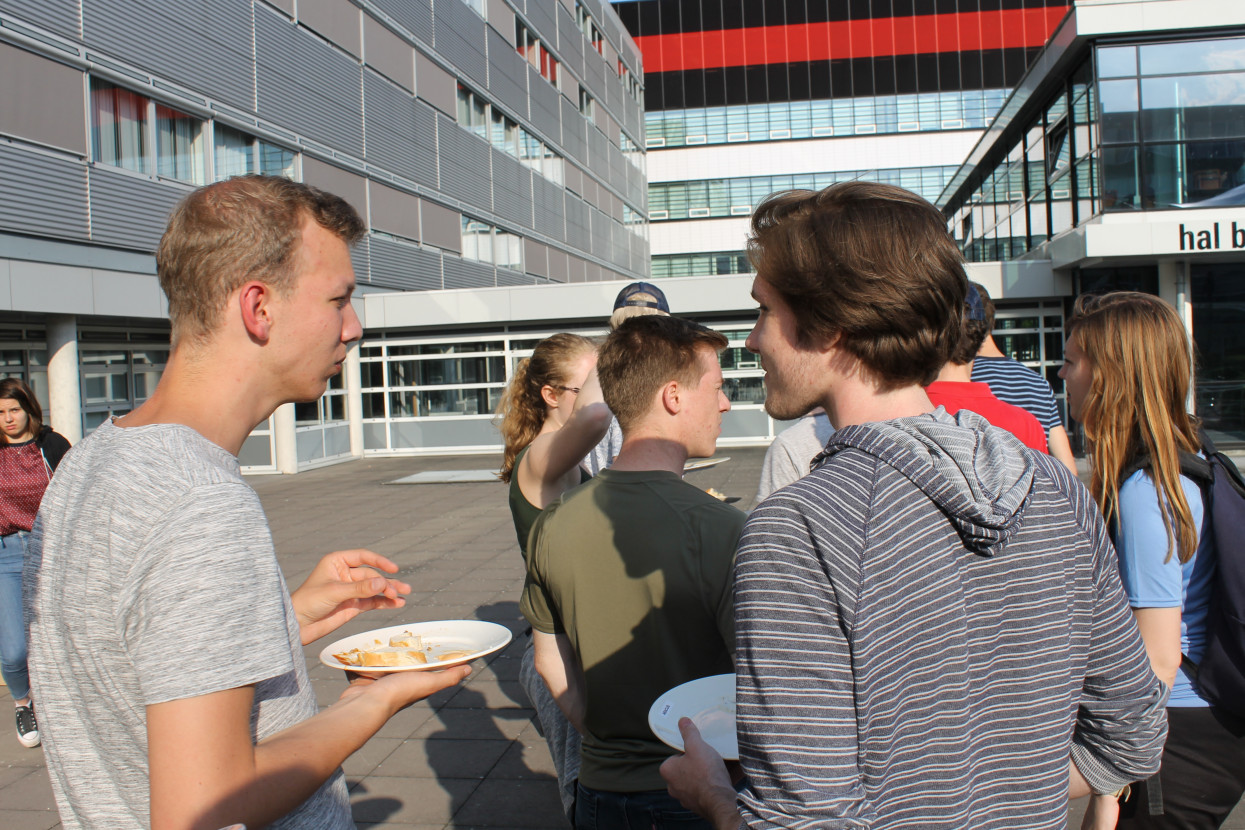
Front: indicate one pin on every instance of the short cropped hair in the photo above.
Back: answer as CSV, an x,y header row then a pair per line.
x,y
987,304
973,334
645,353
244,228
870,262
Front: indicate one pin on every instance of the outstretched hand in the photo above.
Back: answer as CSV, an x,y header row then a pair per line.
x,y
700,781
343,585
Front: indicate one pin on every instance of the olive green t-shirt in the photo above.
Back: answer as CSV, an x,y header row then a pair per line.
x,y
636,568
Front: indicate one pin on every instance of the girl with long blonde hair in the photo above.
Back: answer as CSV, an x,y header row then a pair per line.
x,y
1127,370
551,416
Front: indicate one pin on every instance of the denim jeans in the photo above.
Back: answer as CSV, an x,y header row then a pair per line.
x,y
12,624
653,810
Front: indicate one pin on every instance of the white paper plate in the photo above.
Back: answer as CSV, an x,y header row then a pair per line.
x,y
475,637
710,703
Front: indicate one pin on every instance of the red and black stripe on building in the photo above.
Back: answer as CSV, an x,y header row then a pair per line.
x,y
700,53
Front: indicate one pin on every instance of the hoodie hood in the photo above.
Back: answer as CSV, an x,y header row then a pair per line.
x,y
978,475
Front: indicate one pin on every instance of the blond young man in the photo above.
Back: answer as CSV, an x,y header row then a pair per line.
x,y
629,575
165,649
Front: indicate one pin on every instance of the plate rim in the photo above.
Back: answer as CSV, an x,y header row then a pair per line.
x,y
327,659
653,715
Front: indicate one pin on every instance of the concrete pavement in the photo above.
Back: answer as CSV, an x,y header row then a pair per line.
x,y
468,757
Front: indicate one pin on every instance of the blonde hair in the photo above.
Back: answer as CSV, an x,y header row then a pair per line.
x,y
1141,364
244,228
522,411
629,311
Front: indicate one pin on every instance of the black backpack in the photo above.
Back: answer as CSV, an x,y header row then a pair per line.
x,y
1220,675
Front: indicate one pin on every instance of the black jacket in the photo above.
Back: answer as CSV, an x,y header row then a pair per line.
x,y
53,445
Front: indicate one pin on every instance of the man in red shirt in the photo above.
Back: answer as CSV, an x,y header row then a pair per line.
x,y
954,389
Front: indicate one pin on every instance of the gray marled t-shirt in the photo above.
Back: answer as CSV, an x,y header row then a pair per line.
x,y
151,578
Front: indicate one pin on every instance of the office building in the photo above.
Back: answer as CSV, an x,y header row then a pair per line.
x,y
1118,162
489,144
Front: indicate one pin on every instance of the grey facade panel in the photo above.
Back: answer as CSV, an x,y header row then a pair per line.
x,y
460,40
307,85
540,14
545,104
570,41
60,16
598,153
206,46
512,190
506,75
547,199
389,54
30,82
334,21
631,121
574,125
128,211
406,267
618,168
594,75
435,85
42,195
577,224
401,131
414,15
508,277
600,235
464,164
361,260
464,273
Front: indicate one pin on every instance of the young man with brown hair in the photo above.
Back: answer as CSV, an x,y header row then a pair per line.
x,y
930,627
166,652
629,575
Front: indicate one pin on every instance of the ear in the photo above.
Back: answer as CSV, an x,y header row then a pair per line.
x,y
672,397
550,395
254,299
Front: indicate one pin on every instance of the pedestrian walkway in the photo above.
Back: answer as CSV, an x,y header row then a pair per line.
x,y
469,757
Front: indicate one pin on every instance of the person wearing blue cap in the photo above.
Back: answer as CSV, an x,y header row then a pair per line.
x,y
635,300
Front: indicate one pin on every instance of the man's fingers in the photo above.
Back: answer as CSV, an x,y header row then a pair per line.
x,y
687,728
361,556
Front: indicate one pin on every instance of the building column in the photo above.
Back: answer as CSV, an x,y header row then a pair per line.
x,y
285,439
64,381
354,398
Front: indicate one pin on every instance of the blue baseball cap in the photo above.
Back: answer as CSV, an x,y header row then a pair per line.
x,y
625,297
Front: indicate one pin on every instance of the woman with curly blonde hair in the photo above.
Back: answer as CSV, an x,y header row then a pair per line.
x,y
1127,370
551,416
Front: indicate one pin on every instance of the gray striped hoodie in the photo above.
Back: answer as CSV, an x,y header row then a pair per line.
x,y
928,627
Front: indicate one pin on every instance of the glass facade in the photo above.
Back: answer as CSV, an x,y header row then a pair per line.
x,y
118,370
1137,126
1173,123
701,265
713,198
969,109
1218,299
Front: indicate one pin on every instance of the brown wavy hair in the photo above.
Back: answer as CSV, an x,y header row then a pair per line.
x,y
872,262
522,411
16,389
1141,364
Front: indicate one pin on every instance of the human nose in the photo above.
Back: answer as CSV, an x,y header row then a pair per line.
x,y
751,343
724,403
352,328
1062,370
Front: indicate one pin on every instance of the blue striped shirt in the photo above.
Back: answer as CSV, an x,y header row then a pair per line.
x,y
928,626
1015,383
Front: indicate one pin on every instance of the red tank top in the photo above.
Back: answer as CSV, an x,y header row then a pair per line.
x,y
24,475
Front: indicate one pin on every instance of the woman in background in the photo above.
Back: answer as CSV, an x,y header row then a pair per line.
x,y
552,415
29,452
1127,370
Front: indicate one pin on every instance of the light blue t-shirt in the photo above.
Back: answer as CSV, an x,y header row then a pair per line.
x,y
1151,582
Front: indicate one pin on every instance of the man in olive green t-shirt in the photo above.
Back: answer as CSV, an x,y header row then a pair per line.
x,y
630,575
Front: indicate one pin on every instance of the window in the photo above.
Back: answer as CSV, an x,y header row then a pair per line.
x,y
540,157
589,27
484,243
472,112
476,6
127,129
530,47
119,127
504,134
236,154
587,104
